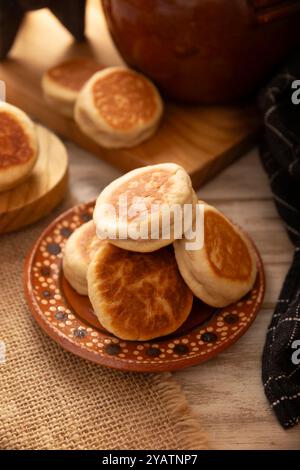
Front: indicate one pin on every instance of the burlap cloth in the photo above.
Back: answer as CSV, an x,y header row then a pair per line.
x,y
51,399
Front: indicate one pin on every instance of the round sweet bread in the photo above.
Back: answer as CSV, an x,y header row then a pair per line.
x,y
18,146
138,296
224,269
78,252
148,193
62,83
118,108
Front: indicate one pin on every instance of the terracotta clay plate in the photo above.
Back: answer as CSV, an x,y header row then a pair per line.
x,y
68,317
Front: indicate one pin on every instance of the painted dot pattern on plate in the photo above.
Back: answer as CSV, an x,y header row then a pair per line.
x,y
54,314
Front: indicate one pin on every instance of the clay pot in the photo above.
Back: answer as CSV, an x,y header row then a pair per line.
x,y
204,51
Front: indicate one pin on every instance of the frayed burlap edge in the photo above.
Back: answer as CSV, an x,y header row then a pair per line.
x,y
186,424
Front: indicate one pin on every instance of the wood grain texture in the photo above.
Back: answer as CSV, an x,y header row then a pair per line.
x,y
226,393
202,139
42,191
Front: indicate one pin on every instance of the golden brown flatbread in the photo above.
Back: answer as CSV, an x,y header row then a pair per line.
x,y
224,269
138,296
144,189
79,250
118,108
62,83
18,146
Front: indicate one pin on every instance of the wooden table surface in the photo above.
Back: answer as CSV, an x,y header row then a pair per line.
x,y
225,393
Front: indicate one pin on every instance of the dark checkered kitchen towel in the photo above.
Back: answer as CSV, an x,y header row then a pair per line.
x,y
280,155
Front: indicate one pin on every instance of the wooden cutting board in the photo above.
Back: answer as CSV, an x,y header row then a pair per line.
x,y
202,139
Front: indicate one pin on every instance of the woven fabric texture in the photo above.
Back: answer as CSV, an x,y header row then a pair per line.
x,y
280,155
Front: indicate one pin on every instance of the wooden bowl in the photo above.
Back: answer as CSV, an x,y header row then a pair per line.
x,y
68,317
